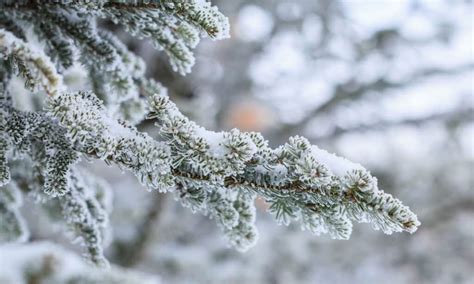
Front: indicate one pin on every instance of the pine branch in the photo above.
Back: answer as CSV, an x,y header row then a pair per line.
x,y
210,169
33,65
217,173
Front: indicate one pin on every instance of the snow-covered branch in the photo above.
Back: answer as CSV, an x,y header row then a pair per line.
x,y
217,173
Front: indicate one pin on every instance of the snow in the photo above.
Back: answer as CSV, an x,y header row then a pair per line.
x,y
337,165
221,21
214,140
18,260
280,171
51,80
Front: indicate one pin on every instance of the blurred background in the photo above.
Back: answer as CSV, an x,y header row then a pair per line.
x,y
386,83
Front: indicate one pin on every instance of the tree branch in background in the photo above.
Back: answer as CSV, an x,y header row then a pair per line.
x,y
454,117
130,253
347,92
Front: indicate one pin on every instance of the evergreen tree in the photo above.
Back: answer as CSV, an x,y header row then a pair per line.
x,y
217,173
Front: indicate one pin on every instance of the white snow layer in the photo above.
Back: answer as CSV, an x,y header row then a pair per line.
x,y
337,165
17,260
214,140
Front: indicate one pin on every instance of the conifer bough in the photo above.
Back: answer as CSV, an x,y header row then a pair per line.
x,y
217,173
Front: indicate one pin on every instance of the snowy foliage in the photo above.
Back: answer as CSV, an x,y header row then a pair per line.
x,y
44,263
217,173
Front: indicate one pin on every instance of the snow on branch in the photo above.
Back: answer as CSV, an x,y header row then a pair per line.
x,y
12,225
217,173
102,137
299,181
32,64
50,263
